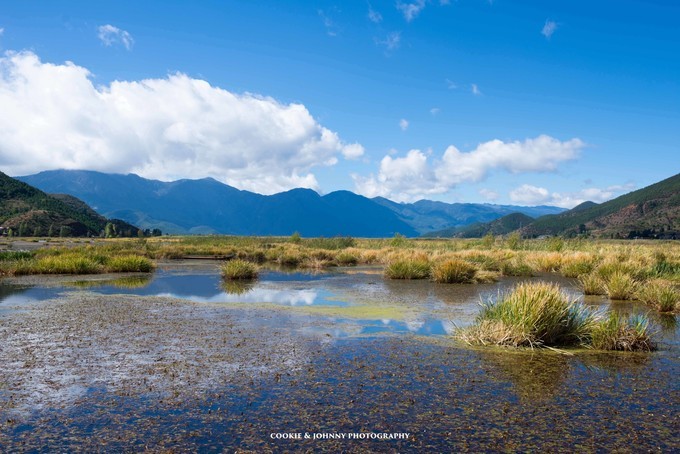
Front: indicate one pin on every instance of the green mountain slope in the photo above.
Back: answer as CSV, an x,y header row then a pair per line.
x,y
30,212
500,226
652,212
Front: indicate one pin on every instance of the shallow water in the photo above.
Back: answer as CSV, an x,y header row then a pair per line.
x,y
178,360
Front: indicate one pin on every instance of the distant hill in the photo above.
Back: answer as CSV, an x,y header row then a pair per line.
x,y
500,226
31,212
651,212
208,206
429,216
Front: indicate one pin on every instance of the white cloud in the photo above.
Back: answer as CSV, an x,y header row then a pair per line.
x,y
451,85
549,28
411,10
475,89
405,178
374,16
2,31
391,42
529,195
488,194
353,151
110,35
541,154
435,111
403,124
53,116
533,195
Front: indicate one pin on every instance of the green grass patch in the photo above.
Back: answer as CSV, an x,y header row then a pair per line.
x,y
621,286
532,315
129,264
239,269
663,296
408,269
618,332
542,315
454,271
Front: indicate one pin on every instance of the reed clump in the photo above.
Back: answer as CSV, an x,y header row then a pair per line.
x,y
238,269
618,332
408,269
454,271
621,286
661,295
541,315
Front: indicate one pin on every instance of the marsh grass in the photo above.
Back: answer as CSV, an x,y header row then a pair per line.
x,y
346,258
453,271
408,269
238,269
620,286
661,295
618,332
542,315
15,255
531,315
592,284
129,264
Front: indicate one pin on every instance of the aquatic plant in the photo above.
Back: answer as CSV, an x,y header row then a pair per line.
x,y
618,332
592,284
661,295
408,269
129,263
531,315
239,269
453,271
620,286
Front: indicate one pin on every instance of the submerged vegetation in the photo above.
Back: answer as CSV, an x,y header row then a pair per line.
x,y
541,315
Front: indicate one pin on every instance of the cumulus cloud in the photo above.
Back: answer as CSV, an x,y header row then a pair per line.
x,y
435,111
403,124
411,10
532,195
2,31
451,85
353,151
549,28
540,154
405,178
475,89
110,35
53,116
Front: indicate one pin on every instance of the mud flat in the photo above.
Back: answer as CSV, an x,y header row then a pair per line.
x,y
93,372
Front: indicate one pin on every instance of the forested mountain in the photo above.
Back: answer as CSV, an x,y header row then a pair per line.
x,y
27,211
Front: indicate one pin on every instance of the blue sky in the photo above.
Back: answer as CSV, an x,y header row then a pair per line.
x,y
522,102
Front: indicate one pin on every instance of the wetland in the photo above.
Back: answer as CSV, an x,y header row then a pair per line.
x,y
181,359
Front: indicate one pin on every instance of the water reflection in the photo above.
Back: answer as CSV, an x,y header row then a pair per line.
x,y
535,376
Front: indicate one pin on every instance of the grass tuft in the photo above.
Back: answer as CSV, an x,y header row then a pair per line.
x,y
620,286
239,269
592,284
408,269
454,271
531,315
617,332
661,295
129,264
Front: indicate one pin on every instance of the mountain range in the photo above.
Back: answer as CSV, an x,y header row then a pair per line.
x,y
207,206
